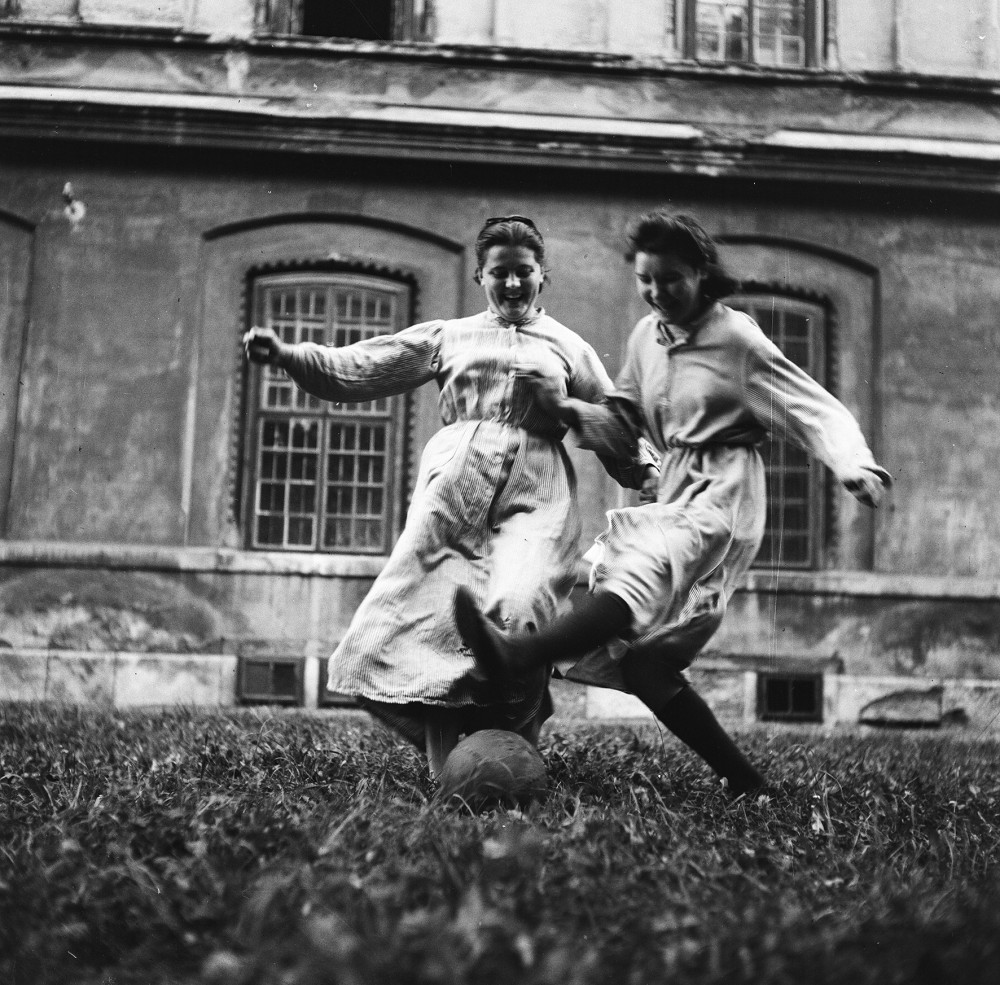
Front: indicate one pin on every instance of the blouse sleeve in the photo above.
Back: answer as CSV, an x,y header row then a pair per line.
x,y
793,406
382,366
614,427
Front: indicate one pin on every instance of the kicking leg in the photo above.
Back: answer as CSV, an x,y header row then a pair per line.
x,y
597,619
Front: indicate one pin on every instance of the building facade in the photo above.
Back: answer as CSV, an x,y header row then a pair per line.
x,y
171,173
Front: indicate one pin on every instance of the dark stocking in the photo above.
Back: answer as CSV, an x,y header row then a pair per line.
x,y
598,618
692,721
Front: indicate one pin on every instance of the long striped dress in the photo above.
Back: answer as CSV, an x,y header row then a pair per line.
x,y
706,395
494,508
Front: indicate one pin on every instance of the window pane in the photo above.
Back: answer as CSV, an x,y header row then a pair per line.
x,y
323,473
354,495
767,32
779,32
286,484
722,30
794,482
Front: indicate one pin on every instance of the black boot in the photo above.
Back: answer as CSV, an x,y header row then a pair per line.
x,y
692,721
598,618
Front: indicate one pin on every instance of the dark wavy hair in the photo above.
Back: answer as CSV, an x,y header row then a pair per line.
x,y
511,230
660,231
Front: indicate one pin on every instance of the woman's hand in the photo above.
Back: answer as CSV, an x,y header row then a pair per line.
x,y
650,485
867,484
262,345
548,393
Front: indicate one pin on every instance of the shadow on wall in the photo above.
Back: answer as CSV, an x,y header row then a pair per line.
x,y
107,611
947,640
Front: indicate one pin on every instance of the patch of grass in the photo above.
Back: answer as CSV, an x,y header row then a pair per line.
x,y
258,848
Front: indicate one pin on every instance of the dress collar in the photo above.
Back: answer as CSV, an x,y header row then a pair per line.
x,y
529,319
677,335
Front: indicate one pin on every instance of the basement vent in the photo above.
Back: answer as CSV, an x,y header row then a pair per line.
x,y
790,697
270,680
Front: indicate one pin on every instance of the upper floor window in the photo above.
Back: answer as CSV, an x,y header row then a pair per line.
x,y
779,33
796,485
323,476
365,20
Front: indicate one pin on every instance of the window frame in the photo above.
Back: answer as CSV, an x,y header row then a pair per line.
x,y
820,501
398,415
410,20
813,32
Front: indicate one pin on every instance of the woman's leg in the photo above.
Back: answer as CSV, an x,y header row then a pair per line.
x,y
678,706
441,729
598,618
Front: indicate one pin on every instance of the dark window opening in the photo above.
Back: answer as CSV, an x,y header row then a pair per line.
x,y
361,19
790,697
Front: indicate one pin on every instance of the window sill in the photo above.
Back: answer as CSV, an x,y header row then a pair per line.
x,y
63,554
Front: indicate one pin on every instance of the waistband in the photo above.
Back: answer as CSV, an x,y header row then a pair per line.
x,y
705,445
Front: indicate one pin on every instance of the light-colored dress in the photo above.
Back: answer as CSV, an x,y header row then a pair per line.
x,y
494,506
705,395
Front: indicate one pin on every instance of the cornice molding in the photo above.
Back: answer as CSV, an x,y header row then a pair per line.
x,y
452,104
502,57
429,136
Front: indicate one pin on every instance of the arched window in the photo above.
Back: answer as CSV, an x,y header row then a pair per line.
x,y
796,484
323,476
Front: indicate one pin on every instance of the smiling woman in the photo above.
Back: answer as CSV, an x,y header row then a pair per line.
x,y
494,505
704,384
512,279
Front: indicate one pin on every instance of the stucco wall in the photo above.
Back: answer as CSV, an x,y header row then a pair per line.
x,y
124,425
129,372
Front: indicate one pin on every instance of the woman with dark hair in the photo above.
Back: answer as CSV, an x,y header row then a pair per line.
x,y
704,384
494,505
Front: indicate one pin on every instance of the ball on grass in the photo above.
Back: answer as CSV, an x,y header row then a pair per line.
x,y
492,768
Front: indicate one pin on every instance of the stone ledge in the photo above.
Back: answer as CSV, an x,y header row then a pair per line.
x,y
732,694
141,557
130,680
117,679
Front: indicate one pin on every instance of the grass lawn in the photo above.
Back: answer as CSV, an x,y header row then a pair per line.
x,y
258,848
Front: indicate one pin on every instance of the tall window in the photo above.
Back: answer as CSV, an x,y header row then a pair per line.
x,y
758,32
796,485
365,20
323,476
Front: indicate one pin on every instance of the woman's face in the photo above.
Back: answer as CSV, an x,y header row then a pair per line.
x,y
669,286
512,279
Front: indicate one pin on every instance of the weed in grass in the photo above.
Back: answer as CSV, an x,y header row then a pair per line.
x,y
257,848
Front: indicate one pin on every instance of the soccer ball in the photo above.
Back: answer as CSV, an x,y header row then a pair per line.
x,y
492,768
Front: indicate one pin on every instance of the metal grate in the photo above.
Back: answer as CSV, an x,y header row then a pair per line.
x,y
790,697
270,680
